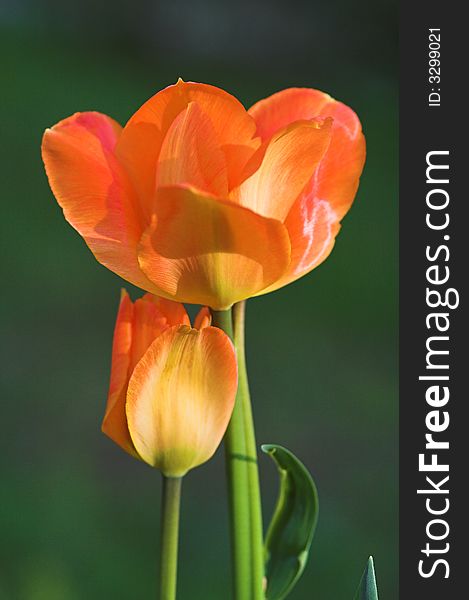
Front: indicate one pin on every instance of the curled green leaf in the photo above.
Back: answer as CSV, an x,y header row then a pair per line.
x,y
293,523
367,590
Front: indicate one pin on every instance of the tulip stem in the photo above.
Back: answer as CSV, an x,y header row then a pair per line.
x,y
238,485
242,473
170,508
257,541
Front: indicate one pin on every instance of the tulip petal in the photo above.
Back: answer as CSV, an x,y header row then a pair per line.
x,y
180,398
290,160
313,221
115,423
313,227
173,312
339,172
283,108
190,154
137,327
138,148
142,137
203,250
203,318
93,190
152,315
340,169
241,161
148,323
229,118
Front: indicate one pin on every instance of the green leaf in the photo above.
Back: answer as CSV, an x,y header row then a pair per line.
x,y
367,590
293,523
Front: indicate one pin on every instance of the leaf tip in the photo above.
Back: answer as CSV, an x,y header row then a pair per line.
x,y
368,589
268,448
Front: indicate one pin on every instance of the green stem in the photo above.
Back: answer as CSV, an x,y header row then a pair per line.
x,y
238,485
257,545
243,476
170,508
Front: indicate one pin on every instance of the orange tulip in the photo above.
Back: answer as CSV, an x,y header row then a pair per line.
x,y
198,200
172,387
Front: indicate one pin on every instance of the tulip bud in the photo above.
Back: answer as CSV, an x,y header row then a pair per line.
x,y
172,387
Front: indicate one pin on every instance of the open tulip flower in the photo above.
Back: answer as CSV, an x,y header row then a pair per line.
x,y
198,200
172,387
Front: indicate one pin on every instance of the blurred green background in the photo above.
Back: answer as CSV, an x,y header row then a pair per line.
x,y
78,517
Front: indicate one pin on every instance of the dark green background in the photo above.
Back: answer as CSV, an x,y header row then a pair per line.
x,y
78,517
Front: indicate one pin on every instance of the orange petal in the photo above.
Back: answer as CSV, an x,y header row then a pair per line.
x,y
203,318
340,169
203,250
240,161
313,221
93,190
148,323
190,154
138,148
180,398
283,108
290,160
313,227
143,135
339,172
151,316
174,312
137,327
115,422
229,118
